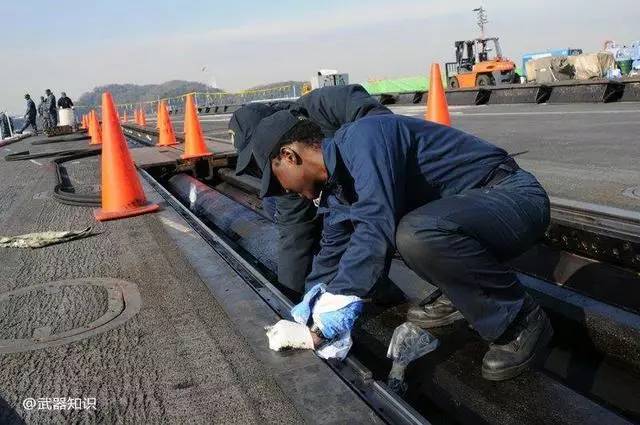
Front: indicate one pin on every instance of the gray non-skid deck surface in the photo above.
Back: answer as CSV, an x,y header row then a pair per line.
x,y
586,152
180,360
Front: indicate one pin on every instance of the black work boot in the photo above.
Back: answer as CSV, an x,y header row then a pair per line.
x,y
523,341
437,313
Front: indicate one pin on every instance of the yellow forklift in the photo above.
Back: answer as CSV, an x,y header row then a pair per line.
x,y
479,62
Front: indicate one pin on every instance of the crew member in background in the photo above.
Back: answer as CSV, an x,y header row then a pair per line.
x,y
41,107
29,116
298,226
51,112
64,102
454,206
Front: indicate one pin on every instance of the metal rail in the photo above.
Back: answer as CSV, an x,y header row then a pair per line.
x,y
599,232
388,405
597,218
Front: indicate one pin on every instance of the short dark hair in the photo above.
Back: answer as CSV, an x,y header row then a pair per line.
x,y
306,132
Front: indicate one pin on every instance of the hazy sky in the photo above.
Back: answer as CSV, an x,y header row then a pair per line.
x,y
73,46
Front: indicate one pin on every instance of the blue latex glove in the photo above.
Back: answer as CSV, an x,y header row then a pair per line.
x,y
335,315
301,312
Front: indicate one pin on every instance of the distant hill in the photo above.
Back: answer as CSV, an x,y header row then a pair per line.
x,y
133,93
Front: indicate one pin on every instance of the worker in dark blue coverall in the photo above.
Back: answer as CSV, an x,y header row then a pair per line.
x,y
51,111
453,205
299,228
29,115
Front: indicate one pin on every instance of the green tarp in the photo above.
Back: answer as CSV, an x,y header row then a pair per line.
x,y
404,85
397,85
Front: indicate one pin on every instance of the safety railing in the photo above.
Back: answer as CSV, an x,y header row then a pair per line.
x,y
210,100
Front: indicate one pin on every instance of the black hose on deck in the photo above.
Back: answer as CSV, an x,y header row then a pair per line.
x,y
61,139
26,155
63,191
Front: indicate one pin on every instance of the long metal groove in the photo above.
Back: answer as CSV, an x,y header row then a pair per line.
x,y
389,406
624,224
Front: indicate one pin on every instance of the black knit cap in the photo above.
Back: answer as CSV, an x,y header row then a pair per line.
x,y
267,142
243,124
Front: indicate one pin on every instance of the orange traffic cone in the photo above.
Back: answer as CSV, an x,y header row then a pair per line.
x,y
125,118
89,129
437,107
136,116
158,115
194,146
94,129
82,123
143,119
122,194
167,135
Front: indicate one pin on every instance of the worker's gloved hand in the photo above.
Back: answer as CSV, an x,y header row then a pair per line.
x,y
335,315
301,312
287,334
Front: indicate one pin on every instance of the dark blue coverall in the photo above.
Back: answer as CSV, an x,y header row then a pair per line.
x,y
421,187
65,102
30,117
299,227
51,112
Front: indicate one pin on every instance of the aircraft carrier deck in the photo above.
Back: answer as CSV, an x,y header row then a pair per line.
x,y
160,318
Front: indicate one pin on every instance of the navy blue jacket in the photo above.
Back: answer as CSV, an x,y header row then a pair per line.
x,y
380,168
31,112
333,106
50,107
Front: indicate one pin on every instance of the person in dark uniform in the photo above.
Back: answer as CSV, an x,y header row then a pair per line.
x,y
29,116
41,107
299,228
51,112
64,102
453,205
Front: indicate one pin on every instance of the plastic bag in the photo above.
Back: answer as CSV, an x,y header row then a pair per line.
x,y
408,343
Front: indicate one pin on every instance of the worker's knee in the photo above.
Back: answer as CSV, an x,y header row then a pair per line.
x,y
422,240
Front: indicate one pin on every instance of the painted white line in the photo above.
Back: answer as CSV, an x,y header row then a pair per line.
x,y
8,150
217,119
423,106
486,114
35,162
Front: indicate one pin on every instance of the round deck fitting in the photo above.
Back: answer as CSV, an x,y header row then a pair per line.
x,y
632,192
65,311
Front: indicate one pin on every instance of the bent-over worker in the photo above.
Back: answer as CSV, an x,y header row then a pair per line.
x,y
298,226
453,205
